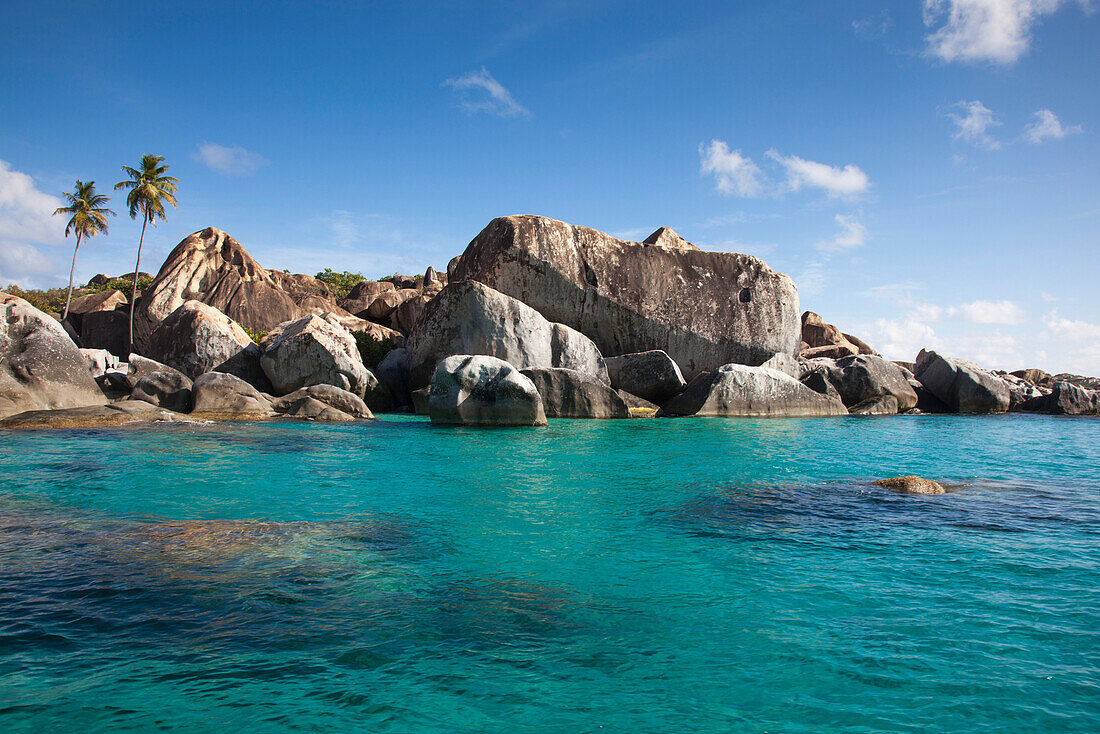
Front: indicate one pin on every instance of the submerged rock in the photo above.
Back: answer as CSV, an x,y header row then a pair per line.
x,y
704,309
911,485
92,416
739,390
483,391
864,377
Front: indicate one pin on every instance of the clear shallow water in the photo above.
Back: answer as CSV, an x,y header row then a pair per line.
x,y
645,576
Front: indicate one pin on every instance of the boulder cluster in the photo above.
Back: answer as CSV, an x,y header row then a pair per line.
x,y
537,319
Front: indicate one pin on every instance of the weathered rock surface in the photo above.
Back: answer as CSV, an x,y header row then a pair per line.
x,y
481,390
962,386
197,338
926,401
881,405
314,350
865,377
40,366
138,367
363,294
652,376
704,309
387,302
127,412
92,302
911,485
219,393
740,390
167,389
816,334
572,394
323,402
639,407
404,317
1020,391
99,361
471,318
1065,398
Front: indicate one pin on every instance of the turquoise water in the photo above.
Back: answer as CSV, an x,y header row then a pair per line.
x,y
639,576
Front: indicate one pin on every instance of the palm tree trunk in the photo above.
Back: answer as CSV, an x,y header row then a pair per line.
x,y
133,295
72,271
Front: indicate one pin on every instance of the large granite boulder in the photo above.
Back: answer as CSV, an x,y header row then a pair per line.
x,y
572,394
197,338
108,330
123,413
962,386
816,333
363,294
479,390
40,366
652,375
404,317
91,303
323,402
383,306
1020,391
472,318
167,389
223,394
704,309
314,350
1065,398
740,390
865,377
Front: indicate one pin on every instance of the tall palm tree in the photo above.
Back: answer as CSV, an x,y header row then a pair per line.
x,y
150,189
89,218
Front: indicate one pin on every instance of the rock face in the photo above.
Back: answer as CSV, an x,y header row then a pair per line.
x,y
393,372
323,402
1065,398
704,309
479,390
93,302
651,375
167,389
363,295
911,485
881,405
865,377
314,350
225,394
108,330
382,307
40,366
962,386
91,416
196,338
471,318
571,394
739,390
404,317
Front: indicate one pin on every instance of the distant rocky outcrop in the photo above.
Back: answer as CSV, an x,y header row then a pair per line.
x,y
704,309
363,294
962,386
40,366
821,339
740,390
472,318
483,391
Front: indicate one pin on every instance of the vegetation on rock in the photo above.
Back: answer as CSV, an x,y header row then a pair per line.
x,y
372,350
340,283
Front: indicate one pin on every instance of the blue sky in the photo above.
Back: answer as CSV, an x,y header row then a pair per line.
x,y
927,171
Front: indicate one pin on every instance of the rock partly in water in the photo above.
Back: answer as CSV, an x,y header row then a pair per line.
x,y
40,366
330,396
704,309
911,485
479,390
740,390
639,407
127,412
168,389
223,395
393,372
1065,398
314,350
197,338
572,394
881,405
962,386
652,376
864,377
471,318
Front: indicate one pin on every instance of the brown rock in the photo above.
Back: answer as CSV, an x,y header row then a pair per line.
x,y
911,485
102,301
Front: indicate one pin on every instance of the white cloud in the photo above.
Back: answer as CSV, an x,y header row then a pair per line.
x,y
232,160
847,181
992,312
1081,340
852,234
973,126
733,173
901,338
1048,297
480,92
1074,330
1047,126
997,31
26,220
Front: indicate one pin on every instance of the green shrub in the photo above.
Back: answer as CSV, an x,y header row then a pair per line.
x,y
118,284
255,335
372,350
340,283
50,301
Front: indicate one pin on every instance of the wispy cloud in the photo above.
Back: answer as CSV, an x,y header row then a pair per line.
x,y
973,124
992,312
733,173
1047,126
852,234
231,160
833,180
479,91
26,222
996,31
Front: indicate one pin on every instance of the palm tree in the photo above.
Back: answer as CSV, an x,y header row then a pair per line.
x,y
149,190
89,218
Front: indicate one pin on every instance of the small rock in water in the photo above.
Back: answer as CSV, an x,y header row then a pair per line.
x,y
912,485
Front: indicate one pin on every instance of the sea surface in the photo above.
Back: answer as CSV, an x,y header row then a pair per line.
x,y
692,575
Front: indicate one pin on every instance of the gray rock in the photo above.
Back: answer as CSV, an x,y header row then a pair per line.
x,y
572,394
108,330
784,363
881,405
383,306
331,396
404,317
1065,398
704,309
926,401
138,367
638,406
1020,391
865,377
99,361
197,338
91,303
818,381
126,412
40,366
962,386
483,391
168,389
652,376
314,350
740,390
220,393
420,399
307,408
473,319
